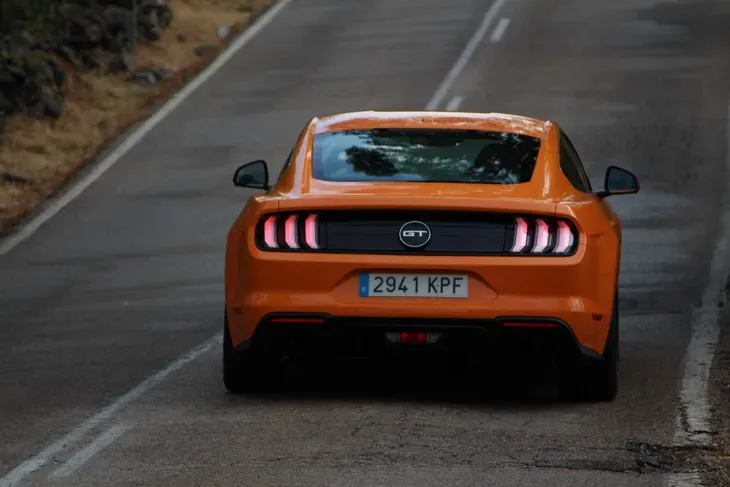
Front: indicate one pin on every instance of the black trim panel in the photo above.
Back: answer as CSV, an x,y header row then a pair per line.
x,y
375,232
403,324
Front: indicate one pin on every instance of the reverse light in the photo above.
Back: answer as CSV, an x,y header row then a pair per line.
x,y
543,236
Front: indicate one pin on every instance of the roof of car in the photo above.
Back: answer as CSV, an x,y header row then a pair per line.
x,y
500,122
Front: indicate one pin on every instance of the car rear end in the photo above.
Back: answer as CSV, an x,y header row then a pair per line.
x,y
338,268
483,273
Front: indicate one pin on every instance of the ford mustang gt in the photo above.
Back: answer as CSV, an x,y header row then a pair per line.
x,y
388,232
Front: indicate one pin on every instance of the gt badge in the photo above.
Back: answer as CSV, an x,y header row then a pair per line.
x,y
414,234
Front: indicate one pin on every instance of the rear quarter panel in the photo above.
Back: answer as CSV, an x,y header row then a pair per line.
x,y
240,233
601,233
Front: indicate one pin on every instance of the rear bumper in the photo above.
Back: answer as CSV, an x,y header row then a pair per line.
x,y
324,335
576,292
586,321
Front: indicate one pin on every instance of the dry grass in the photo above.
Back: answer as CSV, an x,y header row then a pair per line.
x,y
99,108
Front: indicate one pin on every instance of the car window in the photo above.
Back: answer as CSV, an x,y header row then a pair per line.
x,y
572,166
426,155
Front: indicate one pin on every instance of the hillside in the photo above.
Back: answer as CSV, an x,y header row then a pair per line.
x,y
74,74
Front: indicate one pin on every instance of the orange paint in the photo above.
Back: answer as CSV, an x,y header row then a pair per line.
x,y
574,288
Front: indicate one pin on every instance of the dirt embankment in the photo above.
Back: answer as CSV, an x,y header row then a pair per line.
x,y
74,74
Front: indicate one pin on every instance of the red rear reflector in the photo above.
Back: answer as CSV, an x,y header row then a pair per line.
x,y
412,337
529,324
297,320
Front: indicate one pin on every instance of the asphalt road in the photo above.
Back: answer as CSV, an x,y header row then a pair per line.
x,y
128,277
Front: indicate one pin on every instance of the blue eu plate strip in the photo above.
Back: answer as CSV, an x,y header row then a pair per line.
x,y
364,285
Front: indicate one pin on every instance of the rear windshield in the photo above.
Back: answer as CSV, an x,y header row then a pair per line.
x,y
451,156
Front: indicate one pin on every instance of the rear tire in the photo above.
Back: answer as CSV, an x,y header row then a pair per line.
x,y
246,371
595,380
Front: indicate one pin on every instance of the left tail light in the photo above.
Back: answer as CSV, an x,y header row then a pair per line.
x,y
289,232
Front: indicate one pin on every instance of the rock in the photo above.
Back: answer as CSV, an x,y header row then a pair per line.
x,y
6,106
125,4
93,30
145,78
16,72
164,74
14,178
58,75
91,59
53,107
153,18
6,77
182,37
150,77
121,63
165,17
30,94
120,26
152,35
205,49
48,72
69,55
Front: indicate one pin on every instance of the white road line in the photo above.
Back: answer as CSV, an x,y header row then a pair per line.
x,y
465,56
455,103
32,464
499,31
83,456
68,196
694,420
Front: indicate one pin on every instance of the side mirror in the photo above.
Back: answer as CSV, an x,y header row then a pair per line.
x,y
252,175
618,181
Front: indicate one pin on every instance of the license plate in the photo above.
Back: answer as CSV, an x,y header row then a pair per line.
x,y
414,285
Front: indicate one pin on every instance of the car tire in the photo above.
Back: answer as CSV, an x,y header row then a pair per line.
x,y
246,371
596,380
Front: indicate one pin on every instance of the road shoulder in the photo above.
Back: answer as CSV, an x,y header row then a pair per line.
x,y
716,459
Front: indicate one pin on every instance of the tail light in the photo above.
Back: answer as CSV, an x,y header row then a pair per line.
x,y
543,236
531,235
290,231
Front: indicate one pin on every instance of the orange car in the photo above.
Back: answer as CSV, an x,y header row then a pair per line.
x,y
389,231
